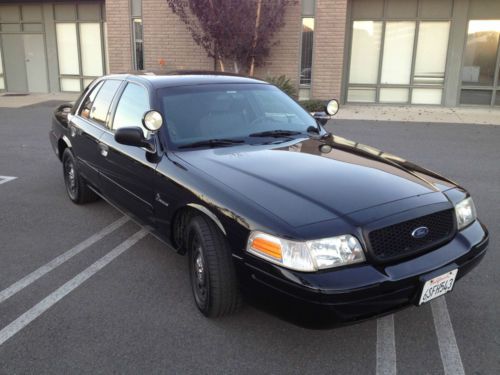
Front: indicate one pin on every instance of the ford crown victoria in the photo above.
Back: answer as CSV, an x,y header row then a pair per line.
x,y
263,199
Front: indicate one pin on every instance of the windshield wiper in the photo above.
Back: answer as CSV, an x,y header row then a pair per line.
x,y
275,133
212,143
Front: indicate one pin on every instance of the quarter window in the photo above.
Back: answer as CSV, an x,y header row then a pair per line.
x,y
133,103
100,107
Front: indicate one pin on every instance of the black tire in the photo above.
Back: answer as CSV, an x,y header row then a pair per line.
x,y
211,269
76,187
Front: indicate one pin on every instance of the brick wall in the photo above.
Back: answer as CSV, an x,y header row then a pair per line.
x,y
167,39
329,42
118,26
285,56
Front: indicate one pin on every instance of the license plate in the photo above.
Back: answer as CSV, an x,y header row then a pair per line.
x,y
438,286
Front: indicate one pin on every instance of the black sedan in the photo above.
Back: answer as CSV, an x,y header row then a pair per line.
x,y
263,200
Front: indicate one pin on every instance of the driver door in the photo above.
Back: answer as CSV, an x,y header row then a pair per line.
x,y
127,174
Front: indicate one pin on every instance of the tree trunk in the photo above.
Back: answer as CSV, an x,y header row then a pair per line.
x,y
255,38
221,64
236,66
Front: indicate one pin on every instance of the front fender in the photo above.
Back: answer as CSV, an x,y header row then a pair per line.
x,y
210,214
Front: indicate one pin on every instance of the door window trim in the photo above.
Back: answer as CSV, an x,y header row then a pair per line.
x,y
114,106
111,105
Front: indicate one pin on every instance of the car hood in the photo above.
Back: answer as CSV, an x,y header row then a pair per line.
x,y
305,181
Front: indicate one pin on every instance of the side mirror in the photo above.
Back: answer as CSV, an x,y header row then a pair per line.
x,y
61,113
134,136
152,120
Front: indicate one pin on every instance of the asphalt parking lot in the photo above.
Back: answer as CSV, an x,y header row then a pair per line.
x,y
76,300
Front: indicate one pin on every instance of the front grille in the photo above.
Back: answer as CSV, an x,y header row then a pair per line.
x,y
396,241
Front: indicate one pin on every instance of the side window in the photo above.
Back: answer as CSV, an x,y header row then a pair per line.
x,y
133,103
100,107
89,99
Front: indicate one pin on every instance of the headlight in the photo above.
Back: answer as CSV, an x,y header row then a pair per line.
x,y
465,213
306,256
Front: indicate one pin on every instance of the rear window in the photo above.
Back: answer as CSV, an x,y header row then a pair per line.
x,y
100,106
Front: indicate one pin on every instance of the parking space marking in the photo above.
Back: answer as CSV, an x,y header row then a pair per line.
x,y
42,306
4,179
386,346
56,262
450,354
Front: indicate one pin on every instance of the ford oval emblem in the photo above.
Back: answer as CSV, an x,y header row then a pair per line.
x,y
420,232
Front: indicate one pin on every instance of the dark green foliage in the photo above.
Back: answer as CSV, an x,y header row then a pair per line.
x,y
284,84
313,105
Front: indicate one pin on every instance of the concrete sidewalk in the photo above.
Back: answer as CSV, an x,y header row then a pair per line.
x,y
427,114
14,101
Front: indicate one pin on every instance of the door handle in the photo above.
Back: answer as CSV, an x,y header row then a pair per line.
x,y
104,149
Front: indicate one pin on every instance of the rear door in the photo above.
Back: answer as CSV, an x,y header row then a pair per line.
x,y
128,171
87,127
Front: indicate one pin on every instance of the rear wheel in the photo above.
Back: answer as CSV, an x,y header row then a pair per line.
x,y
76,187
211,269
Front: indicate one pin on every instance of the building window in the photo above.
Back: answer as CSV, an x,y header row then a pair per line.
x,y
138,44
2,80
137,34
308,8
80,55
398,61
398,52
481,70
307,50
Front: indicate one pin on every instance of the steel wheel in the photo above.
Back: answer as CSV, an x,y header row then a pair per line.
x,y
77,188
70,178
211,269
199,274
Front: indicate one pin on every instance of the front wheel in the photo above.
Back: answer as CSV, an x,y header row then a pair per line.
x,y
211,270
76,187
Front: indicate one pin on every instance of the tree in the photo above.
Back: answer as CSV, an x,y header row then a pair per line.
x,y
240,31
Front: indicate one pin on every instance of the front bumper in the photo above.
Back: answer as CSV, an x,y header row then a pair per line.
x,y
359,292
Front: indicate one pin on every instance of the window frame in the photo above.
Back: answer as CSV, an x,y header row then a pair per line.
x,y
117,99
135,40
97,86
384,17
308,10
411,85
77,20
493,89
112,104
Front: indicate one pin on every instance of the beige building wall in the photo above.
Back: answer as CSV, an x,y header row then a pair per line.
x,y
118,25
285,56
328,54
168,45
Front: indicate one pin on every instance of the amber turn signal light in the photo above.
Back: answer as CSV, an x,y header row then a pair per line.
x,y
266,247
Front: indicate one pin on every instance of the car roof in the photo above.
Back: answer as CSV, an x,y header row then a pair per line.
x,y
185,78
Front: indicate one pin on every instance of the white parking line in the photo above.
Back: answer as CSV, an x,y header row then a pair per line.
x,y
450,354
42,306
56,262
386,346
4,179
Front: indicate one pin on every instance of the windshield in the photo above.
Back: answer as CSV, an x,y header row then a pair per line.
x,y
231,112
